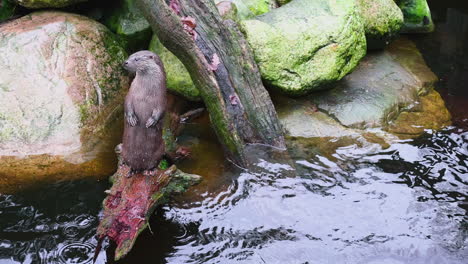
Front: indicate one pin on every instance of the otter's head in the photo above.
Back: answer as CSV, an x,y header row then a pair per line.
x,y
144,61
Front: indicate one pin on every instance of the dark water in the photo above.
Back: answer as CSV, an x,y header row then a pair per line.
x,y
405,204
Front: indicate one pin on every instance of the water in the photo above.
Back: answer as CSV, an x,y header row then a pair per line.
x,y
404,204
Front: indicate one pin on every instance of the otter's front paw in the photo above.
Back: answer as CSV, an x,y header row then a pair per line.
x,y
151,122
132,119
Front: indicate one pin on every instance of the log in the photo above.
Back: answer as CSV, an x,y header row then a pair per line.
x,y
221,64
132,200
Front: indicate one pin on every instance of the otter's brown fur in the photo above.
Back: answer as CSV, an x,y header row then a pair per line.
x,y
145,105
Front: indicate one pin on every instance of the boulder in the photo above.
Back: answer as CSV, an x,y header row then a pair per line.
x,y
47,3
127,22
306,45
250,8
382,21
178,79
61,95
389,94
417,16
7,9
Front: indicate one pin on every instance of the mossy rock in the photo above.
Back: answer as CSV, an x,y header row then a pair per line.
x,y
382,21
178,79
128,22
251,8
390,95
7,9
306,45
417,16
61,94
34,4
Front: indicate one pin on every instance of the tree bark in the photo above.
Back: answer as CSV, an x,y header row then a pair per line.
x,y
221,65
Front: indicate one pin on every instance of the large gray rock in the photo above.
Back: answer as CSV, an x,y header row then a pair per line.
x,y
390,90
47,3
383,21
61,93
307,44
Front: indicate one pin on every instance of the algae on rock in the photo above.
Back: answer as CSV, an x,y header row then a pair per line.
x,y
417,16
382,21
178,79
127,22
305,45
250,8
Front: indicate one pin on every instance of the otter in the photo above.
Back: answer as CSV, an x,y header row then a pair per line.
x,y
145,106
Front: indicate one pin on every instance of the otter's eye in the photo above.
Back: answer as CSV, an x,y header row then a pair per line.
x,y
136,59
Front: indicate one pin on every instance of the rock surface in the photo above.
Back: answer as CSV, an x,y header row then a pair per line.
x,y
178,79
390,90
127,21
382,21
250,8
61,93
47,3
307,44
417,16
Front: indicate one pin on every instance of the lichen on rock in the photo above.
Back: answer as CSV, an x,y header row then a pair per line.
x,y
305,45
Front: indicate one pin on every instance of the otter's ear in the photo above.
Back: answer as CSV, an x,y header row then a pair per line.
x,y
151,56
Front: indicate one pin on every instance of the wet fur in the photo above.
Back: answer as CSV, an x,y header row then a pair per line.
x,y
145,103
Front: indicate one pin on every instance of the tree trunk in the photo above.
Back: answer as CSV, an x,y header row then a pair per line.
x,y
221,65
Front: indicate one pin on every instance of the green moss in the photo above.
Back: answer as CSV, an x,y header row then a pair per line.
x,y
247,9
7,9
130,25
417,16
178,79
328,40
163,164
382,21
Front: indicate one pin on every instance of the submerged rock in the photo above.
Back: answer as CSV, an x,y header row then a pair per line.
x,y
7,9
307,44
178,79
127,21
61,93
382,21
390,90
47,3
417,16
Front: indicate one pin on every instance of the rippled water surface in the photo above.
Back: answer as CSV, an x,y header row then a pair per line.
x,y
404,204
